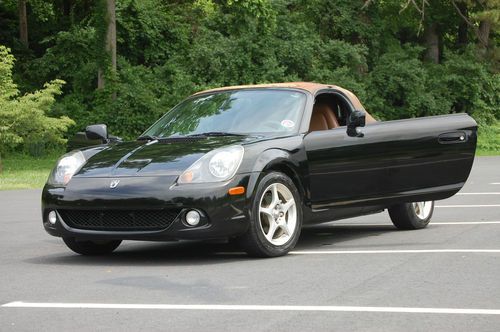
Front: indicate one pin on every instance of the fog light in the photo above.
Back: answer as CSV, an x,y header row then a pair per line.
x,y
52,217
193,218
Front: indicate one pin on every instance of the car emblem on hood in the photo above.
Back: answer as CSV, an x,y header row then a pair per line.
x,y
114,184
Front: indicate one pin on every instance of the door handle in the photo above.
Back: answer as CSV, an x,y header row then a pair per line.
x,y
453,137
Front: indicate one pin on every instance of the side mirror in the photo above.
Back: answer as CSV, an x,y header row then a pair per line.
x,y
356,119
97,131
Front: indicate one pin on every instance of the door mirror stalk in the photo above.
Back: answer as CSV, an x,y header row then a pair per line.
x,y
356,119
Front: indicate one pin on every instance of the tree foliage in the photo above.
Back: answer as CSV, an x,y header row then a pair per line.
x,y
170,49
23,119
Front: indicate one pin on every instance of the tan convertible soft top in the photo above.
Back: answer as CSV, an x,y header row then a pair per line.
x,y
307,86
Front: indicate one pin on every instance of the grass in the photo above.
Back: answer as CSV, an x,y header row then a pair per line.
x,y
26,172
483,153
488,143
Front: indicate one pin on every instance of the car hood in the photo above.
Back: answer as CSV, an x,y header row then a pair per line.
x,y
155,158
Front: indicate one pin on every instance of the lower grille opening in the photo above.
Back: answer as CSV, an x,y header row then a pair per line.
x,y
119,220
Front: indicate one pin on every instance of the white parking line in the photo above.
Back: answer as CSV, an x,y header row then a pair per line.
x,y
490,193
431,223
467,206
236,307
405,251
495,183
464,223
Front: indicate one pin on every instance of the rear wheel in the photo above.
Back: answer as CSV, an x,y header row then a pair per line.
x,y
91,248
415,215
276,217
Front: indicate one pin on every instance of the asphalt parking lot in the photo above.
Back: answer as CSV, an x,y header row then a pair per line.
x,y
357,274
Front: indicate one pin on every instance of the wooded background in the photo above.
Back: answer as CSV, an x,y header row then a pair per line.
x,y
126,62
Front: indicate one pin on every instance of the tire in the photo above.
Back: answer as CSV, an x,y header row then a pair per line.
x,y
276,217
412,215
91,248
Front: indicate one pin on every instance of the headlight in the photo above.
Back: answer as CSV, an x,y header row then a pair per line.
x,y
66,167
216,166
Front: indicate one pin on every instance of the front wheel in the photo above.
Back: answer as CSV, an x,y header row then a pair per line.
x,y
91,248
415,215
276,217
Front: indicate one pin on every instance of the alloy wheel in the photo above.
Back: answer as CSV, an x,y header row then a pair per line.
x,y
422,209
277,214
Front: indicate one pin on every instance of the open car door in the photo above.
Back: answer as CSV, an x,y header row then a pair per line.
x,y
410,160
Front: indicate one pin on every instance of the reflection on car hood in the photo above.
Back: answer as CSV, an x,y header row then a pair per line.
x,y
155,158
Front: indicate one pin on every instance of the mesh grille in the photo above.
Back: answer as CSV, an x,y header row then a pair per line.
x,y
119,220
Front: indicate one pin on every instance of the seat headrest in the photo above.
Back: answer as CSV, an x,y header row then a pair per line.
x,y
323,118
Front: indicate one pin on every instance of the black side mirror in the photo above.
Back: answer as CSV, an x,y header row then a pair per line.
x,y
97,131
356,119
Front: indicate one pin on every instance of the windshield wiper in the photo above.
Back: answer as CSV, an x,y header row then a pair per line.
x,y
216,133
146,138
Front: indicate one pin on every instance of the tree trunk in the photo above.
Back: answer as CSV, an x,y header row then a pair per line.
x,y
100,79
23,22
463,27
110,41
431,37
484,33
66,7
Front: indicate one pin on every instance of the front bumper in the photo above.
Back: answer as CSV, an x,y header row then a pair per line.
x,y
223,215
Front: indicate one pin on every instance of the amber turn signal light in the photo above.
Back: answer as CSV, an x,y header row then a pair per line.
x,y
187,177
237,191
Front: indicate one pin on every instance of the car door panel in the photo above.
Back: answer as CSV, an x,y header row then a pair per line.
x,y
395,161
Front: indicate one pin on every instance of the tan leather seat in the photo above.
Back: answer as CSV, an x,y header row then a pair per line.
x,y
322,118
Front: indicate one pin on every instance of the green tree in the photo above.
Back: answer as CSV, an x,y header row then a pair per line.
x,y
23,119
402,58
110,42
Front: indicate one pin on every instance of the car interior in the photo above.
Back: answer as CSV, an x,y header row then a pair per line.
x,y
330,111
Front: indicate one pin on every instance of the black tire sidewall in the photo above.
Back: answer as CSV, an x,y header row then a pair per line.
x,y
404,216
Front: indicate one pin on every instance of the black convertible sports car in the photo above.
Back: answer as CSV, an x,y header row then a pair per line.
x,y
255,163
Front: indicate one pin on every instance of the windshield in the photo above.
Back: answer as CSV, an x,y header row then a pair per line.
x,y
263,112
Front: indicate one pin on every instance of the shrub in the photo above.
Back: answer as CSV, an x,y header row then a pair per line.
x,y
24,124
471,87
401,86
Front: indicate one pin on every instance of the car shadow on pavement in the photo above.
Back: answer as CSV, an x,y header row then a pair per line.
x,y
180,253
338,237
150,253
